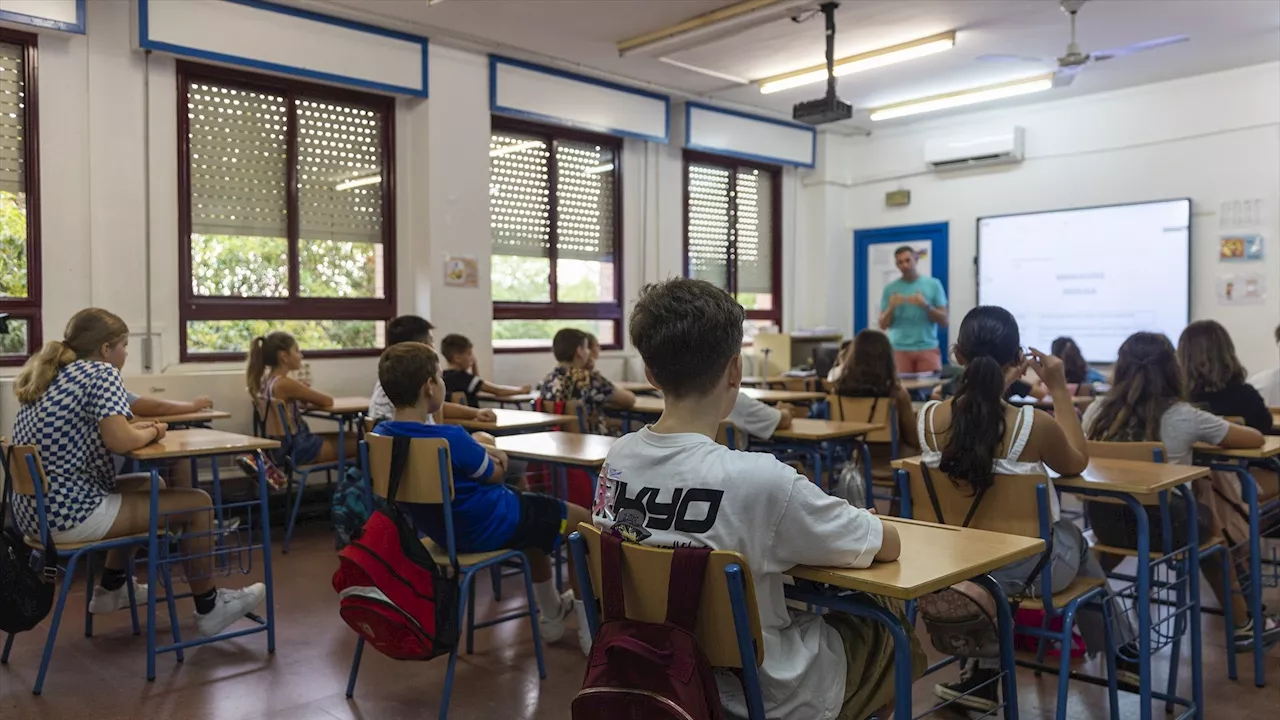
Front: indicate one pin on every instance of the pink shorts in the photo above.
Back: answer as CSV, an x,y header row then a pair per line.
x,y
918,361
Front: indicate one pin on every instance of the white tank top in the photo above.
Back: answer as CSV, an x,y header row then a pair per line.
x,y
1007,465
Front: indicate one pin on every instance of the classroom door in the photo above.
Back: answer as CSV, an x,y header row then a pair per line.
x,y
873,267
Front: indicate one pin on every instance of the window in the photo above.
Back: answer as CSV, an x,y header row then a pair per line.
x,y
554,219
732,237
286,217
19,199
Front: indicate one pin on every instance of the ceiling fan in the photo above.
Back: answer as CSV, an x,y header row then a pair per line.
x,y
1070,64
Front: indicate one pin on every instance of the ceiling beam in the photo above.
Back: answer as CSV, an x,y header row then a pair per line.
x,y
713,25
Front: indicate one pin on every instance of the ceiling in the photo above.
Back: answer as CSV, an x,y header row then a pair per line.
x,y
581,34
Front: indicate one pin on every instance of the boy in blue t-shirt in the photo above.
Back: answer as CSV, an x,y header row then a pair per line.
x,y
487,515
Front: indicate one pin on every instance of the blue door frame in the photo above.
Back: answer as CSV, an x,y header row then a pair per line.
x,y
936,233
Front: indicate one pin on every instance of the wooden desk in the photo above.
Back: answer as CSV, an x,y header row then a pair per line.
x,y
812,430
344,406
198,417
513,421
911,384
648,405
1270,448
777,396
785,381
576,449
1275,415
1131,477
505,400
933,557
1046,402
636,386
199,442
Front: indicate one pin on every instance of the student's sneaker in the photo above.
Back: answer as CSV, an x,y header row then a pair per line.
x,y
552,626
975,690
1245,635
105,601
1127,676
232,605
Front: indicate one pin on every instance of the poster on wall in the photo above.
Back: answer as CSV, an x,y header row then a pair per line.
x,y
1233,248
1242,289
882,269
461,271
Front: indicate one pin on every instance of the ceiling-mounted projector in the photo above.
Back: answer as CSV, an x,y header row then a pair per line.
x,y
830,108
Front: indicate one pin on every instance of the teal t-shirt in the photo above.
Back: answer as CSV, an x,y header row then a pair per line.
x,y
911,328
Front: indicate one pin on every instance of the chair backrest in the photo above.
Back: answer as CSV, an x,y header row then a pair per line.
x,y
369,424
459,398
426,475
727,435
1142,451
23,482
882,410
1009,506
568,407
277,420
646,573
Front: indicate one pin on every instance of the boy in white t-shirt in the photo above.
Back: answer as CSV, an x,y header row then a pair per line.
x,y
670,483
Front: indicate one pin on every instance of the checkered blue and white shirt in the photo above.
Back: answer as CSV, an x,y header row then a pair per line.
x,y
63,425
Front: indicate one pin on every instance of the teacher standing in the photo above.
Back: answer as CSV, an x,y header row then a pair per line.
x,y
911,309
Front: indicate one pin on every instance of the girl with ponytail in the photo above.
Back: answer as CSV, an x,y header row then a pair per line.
x,y
976,435
1147,403
75,411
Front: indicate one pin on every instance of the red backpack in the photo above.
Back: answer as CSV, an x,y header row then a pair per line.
x,y
390,590
578,482
649,671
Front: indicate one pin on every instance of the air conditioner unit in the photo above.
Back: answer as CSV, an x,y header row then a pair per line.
x,y
976,150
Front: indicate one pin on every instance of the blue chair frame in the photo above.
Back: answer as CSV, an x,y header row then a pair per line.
x,y
293,467
468,589
737,602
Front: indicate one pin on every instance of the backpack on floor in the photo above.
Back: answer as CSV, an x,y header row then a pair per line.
x,y
351,508
649,671
390,590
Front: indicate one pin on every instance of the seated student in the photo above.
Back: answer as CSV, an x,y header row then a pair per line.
x,y
761,420
177,471
871,372
1078,371
1216,379
1146,404
816,667
271,358
460,375
1268,381
412,328
975,436
487,515
575,379
846,348
75,411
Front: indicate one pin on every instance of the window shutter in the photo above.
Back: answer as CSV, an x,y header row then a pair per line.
x,y
709,224
339,172
754,231
584,201
237,159
12,116
519,195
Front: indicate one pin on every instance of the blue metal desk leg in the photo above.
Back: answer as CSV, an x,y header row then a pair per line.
x,y
1250,489
265,519
1144,606
153,560
1193,582
1008,664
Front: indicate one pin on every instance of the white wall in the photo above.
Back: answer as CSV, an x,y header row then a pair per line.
x,y
1212,138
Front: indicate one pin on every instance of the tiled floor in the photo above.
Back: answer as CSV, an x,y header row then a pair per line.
x,y
103,678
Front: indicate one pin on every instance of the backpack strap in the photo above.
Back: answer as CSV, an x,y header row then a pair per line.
x,y
399,459
684,589
614,603
875,404
937,506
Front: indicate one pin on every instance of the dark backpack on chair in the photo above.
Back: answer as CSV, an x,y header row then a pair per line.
x,y
390,590
26,594
649,671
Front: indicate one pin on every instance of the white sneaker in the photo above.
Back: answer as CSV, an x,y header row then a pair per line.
x,y
552,627
231,606
105,601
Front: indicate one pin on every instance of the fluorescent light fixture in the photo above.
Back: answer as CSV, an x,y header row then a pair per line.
x,y
964,97
606,167
718,24
514,148
358,182
705,71
863,61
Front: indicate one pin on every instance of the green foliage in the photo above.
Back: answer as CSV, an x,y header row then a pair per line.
x,y
13,244
527,279
513,330
335,269
15,343
521,279
234,335
239,266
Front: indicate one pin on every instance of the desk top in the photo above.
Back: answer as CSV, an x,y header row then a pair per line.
x,y
1046,402
927,383
777,396
636,386
521,399
1270,448
933,557
558,447
812,429
199,416
510,420
199,442
344,406
648,405
1132,477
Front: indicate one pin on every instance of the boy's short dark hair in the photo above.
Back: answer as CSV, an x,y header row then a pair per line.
x,y
454,345
408,328
902,249
687,331
404,368
566,343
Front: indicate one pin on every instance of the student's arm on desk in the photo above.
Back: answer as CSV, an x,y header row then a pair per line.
x,y
818,529
478,462
122,438
1239,436
289,389
152,406
621,399
503,390
456,411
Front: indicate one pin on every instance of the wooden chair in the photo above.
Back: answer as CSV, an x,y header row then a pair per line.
x,y
428,480
881,410
728,620
1005,508
727,434
25,472
279,423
